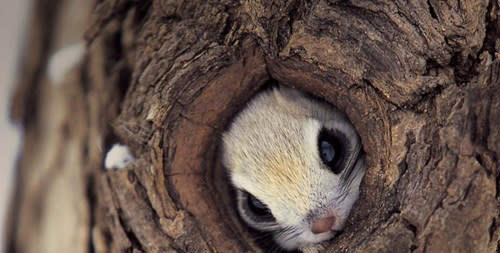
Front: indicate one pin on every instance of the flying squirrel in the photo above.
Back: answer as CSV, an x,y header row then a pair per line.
x,y
296,164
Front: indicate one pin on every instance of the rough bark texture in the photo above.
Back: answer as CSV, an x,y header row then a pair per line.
x,y
420,80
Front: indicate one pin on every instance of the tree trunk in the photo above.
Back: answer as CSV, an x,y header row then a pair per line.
x,y
420,80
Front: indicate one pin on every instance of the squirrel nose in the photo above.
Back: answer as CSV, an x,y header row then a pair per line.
x,y
322,225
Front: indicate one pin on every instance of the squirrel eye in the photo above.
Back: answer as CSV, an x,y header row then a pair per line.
x,y
255,203
256,206
254,211
327,151
331,149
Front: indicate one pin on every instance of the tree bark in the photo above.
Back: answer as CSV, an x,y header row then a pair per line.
x,y
420,80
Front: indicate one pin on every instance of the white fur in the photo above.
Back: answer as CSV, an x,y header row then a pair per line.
x,y
118,157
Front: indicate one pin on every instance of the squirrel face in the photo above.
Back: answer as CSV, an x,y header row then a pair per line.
x,y
296,164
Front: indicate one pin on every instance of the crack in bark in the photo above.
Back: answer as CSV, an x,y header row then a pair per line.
x,y
136,244
91,200
107,14
432,12
380,94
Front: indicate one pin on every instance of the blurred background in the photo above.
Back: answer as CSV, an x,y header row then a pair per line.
x,y
13,23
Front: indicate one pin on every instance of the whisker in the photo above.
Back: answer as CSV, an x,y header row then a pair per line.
x,y
288,233
355,172
351,163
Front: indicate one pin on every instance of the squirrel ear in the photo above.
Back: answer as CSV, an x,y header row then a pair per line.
x,y
286,96
290,100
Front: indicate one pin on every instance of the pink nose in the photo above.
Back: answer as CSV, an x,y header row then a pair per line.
x,y
323,225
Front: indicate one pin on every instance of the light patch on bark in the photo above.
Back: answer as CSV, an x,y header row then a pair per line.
x,y
61,62
118,157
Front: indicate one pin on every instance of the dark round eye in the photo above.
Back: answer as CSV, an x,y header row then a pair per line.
x,y
254,212
331,149
327,151
256,206
255,203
